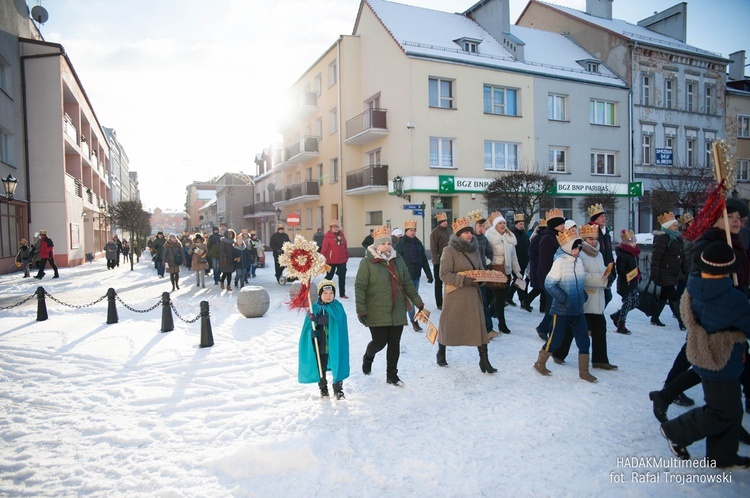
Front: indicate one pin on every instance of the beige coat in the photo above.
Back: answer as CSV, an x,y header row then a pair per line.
x,y
462,320
593,283
202,249
504,251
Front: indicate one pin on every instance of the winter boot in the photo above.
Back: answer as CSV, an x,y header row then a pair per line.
x,y
338,390
583,368
683,400
441,356
675,307
171,279
366,364
392,378
655,317
416,326
660,406
484,361
615,317
177,280
541,362
323,385
622,329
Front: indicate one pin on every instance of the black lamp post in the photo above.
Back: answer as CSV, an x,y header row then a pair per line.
x,y
10,184
278,215
398,185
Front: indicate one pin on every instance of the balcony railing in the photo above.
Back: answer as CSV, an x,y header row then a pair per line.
x,y
304,189
370,179
248,210
69,129
303,151
366,127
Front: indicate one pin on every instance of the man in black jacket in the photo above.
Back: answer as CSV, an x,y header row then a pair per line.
x,y
522,252
277,243
412,250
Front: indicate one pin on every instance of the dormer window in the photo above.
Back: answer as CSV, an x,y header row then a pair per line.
x,y
590,65
468,45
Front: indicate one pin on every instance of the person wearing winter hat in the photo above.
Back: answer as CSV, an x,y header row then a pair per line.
x,y
158,257
505,260
462,320
396,235
44,247
667,263
412,250
325,337
598,217
713,308
628,278
382,291
439,238
545,254
522,252
564,282
336,252
173,252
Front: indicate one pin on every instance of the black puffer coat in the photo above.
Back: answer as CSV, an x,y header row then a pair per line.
x,y
668,260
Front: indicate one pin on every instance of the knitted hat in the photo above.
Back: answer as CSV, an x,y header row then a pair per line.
x,y
326,285
279,227
666,220
589,231
461,225
215,229
718,259
409,224
627,235
595,211
570,224
334,223
734,204
440,217
518,217
493,216
157,233
380,235
498,219
567,239
197,237
554,218
397,232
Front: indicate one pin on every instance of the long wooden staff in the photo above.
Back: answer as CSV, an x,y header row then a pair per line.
x,y
719,172
315,340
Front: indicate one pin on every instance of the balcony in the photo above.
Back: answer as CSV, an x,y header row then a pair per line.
x,y
258,210
303,151
371,179
366,127
69,129
308,105
297,193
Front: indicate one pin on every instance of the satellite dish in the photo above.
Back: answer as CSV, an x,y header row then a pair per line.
x,y
271,187
39,14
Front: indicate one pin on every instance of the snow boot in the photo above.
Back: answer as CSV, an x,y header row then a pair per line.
x,y
416,326
367,364
392,378
441,356
677,450
583,368
323,385
683,400
338,390
541,362
177,280
171,279
484,361
675,307
660,406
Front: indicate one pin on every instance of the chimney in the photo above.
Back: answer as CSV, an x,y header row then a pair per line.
x,y
737,66
670,22
599,8
494,17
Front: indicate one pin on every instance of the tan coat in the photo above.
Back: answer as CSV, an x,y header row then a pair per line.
x,y
202,249
462,320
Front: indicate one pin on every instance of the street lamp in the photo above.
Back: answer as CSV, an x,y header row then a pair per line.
x,y
278,215
10,184
398,185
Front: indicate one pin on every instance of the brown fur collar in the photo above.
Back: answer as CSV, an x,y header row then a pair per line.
x,y
704,350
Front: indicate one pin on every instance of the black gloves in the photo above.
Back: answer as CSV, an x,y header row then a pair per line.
x,y
468,281
318,319
363,319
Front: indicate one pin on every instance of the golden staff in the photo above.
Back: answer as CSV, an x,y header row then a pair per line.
x,y
722,175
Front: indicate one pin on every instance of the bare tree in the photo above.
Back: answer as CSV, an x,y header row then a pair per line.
x,y
681,189
521,192
608,200
130,216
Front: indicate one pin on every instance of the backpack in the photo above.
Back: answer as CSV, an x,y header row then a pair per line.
x,y
178,258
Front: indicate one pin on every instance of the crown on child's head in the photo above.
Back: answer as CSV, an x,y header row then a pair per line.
x,y
589,231
567,236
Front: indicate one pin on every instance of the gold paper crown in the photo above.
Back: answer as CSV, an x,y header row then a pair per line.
x,y
518,217
493,215
553,213
589,231
542,222
381,232
626,235
441,217
666,217
459,224
567,236
410,224
595,209
475,215
686,218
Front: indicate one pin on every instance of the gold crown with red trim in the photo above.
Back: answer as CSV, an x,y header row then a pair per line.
x,y
381,232
589,231
595,209
627,235
475,215
408,224
666,217
567,236
518,217
441,217
553,213
460,224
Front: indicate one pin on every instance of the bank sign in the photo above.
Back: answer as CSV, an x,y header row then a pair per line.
x,y
450,185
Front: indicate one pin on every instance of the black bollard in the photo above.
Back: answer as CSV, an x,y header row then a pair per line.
x,y
207,338
41,305
167,324
111,308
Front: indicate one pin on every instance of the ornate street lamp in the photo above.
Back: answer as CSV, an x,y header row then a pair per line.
x,y
10,184
278,215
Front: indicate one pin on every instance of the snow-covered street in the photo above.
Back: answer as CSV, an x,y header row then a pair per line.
x,y
124,410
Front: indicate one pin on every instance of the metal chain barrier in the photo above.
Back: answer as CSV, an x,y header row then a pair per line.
x,y
18,303
171,304
74,305
135,310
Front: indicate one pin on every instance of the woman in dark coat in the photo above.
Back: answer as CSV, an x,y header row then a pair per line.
x,y
627,261
173,258
382,291
668,262
462,320
110,252
226,258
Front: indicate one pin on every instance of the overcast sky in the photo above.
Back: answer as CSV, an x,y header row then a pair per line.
x,y
193,87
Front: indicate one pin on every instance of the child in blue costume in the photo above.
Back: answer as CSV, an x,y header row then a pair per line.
x,y
326,325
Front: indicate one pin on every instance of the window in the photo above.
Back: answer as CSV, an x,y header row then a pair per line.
x,y
6,147
318,84
743,170
500,156
333,120
564,203
332,73
592,67
743,126
500,100
441,153
710,137
319,171
470,47
691,96
668,93
4,75
558,160
690,146
320,217
709,100
646,89
647,148
308,218
602,163
373,217
334,173
670,137
373,157
318,130
602,112
441,93
556,107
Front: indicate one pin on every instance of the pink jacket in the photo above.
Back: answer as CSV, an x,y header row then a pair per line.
x,y
334,248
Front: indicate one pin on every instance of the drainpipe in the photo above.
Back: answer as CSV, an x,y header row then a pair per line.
x,y
631,130
340,145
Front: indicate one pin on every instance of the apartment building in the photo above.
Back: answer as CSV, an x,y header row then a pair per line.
x,y
447,103
738,121
678,91
120,168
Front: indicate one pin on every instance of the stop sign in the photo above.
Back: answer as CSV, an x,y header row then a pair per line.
x,y
292,220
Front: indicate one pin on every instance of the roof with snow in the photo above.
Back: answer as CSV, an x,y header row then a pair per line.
x,y
432,34
634,32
